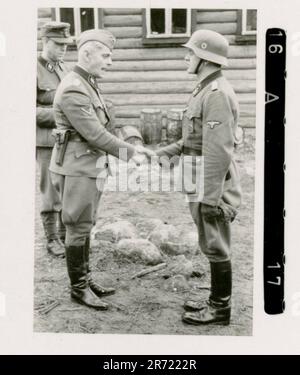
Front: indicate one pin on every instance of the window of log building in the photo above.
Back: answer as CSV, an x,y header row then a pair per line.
x,y
247,26
167,26
80,19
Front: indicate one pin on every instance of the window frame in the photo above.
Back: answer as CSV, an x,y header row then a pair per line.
x,y
98,20
244,36
170,39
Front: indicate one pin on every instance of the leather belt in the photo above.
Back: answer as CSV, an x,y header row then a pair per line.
x,y
191,151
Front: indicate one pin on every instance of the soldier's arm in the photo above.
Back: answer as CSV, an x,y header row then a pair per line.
x,y
79,110
171,150
218,144
45,117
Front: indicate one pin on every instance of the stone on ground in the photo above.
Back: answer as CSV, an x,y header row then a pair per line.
x,y
139,250
146,226
163,234
179,265
176,283
114,232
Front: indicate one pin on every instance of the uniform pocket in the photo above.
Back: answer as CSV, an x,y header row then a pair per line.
x,y
82,149
47,85
101,113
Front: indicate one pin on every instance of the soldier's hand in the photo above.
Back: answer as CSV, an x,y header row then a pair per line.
x,y
144,151
210,213
138,158
228,212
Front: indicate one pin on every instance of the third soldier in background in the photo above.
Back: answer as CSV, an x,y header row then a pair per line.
x,y
209,127
50,71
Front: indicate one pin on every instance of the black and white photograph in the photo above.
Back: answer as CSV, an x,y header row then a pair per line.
x,y
145,171
149,182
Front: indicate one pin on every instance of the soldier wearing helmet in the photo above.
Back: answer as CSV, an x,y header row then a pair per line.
x,y
208,134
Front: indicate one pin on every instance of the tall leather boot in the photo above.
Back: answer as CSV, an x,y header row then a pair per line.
x,y
77,270
98,289
54,245
218,308
61,229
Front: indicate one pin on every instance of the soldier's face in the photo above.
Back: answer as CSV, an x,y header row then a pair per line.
x,y
55,51
99,60
192,62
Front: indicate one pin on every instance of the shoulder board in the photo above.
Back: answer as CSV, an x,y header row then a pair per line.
x,y
214,86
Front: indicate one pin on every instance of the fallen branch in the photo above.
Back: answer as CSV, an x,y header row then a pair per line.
x,y
158,267
47,308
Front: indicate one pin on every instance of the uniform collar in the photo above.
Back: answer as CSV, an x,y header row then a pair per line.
x,y
87,76
206,81
49,65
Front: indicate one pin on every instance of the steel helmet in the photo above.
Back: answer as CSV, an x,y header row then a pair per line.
x,y
209,45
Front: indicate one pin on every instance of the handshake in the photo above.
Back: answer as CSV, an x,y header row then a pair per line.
x,y
141,153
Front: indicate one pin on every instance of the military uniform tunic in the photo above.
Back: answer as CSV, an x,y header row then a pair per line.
x,y
209,125
49,76
79,107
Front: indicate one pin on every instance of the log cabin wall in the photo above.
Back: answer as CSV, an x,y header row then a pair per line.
x,y
147,77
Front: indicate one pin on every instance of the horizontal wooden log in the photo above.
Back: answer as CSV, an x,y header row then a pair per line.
x,y
239,86
123,20
144,65
244,122
170,65
137,32
44,12
138,42
222,28
129,43
216,17
169,53
126,31
246,110
247,122
122,11
163,99
169,75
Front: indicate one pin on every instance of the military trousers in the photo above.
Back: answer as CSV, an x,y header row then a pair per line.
x,y
80,198
214,235
50,200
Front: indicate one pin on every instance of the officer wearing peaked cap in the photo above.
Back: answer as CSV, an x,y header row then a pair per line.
x,y
82,140
209,126
50,71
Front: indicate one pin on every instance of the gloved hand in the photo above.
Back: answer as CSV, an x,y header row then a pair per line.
x,y
210,213
228,212
224,212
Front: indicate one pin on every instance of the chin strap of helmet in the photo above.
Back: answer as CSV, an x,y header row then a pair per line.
x,y
200,63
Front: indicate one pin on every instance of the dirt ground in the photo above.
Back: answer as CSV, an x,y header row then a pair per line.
x,y
145,305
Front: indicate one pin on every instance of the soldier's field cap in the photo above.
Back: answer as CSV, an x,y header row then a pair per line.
x,y
57,31
98,35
